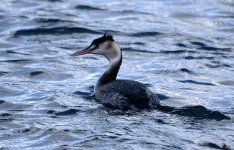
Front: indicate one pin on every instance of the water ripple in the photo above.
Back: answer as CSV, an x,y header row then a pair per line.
x,y
196,82
53,31
203,46
87,7
145,34
35,73
63,113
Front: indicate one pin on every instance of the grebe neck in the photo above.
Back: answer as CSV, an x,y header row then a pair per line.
x,y
112,71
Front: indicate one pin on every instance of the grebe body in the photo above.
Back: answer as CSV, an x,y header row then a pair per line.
x,y
118,94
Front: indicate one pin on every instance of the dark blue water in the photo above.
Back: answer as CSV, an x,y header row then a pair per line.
x,y
183,50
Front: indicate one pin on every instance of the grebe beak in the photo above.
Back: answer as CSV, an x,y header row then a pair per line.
x,y
85,51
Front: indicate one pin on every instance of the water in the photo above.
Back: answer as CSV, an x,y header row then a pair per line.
x,y
183,50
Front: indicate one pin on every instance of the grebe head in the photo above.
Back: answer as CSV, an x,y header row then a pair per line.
x,y
105,46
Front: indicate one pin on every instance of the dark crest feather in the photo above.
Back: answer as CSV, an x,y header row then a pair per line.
x,y
105,37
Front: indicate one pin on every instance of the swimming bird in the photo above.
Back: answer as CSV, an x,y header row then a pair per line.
x,y
112,92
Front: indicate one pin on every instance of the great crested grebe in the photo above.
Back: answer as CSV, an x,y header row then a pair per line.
x,y
119,94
